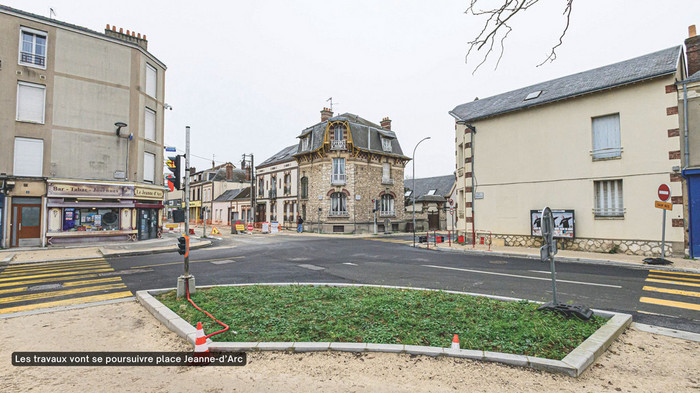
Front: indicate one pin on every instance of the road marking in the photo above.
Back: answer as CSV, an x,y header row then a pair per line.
x,y
67,302
311,267
350,263
519,276
25,268
20,289
675,278
689,284
670,303
11,284
540,271
678,273
90,282
671,291
656,313
92,265
44,295
39,264
225,261
181,262
80,271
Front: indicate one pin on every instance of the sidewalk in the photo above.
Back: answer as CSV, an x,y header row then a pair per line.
x,y
631,261
91,251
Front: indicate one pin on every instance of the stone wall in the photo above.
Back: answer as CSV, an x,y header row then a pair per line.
x,y
629,247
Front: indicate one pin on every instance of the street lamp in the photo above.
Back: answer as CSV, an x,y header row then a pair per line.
x,y
413,190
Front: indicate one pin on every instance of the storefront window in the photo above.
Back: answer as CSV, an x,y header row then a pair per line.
x,y
92,219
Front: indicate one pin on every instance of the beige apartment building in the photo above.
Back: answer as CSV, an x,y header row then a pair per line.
x,y
594,146
81,116
277,184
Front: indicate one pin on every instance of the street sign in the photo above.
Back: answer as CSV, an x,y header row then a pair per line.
x,y
663,205
452,211
664,192
170,149
451,202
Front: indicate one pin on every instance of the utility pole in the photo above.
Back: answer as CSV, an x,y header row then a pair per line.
x,y
186,278
251,165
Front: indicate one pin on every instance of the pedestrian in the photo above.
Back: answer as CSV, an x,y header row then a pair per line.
x,y
300,221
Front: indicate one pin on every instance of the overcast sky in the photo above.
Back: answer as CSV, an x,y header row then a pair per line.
x,y
248,76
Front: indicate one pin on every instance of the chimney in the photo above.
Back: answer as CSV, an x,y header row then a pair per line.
x,y
386,123
229,171
326,114
692,50
129,36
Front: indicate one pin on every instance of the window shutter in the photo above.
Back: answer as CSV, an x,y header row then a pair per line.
x,y
150,124
606,136
151,80
29,157
149,167
30,102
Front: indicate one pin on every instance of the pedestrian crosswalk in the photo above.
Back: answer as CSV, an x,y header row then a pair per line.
x,y
672,289
30,287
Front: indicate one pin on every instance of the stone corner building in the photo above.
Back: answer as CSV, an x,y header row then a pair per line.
x,y
346,162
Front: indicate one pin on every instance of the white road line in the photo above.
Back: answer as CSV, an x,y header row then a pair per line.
x,y
519,276
540,271
311,267
349,263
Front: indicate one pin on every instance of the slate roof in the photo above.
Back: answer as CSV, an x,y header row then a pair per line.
x,y
71,26
641,68
442,185
365,135
284,155
693,78
230,195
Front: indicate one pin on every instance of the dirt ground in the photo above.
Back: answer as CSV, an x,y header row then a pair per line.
x,y
637,362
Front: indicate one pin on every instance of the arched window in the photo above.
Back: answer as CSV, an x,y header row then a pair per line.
x,y
339,205
304,187
387,206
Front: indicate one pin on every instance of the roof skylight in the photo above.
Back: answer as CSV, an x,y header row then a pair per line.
x,y
533,95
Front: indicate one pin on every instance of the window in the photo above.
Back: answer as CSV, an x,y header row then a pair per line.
x,y
30,102
150,124
432,192
29,157
304,187
338,171
386,174
386,144
338,132
387,206
261,187
338,204
149,167
32,48
606,137
407,193
305,143
608,198
151,79
92,219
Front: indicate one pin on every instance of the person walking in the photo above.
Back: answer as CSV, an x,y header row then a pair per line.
x,y
300,221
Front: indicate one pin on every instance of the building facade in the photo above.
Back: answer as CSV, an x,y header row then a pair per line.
x,y
277,184
232,206
432,197
345,164
593,146
209,184
82,133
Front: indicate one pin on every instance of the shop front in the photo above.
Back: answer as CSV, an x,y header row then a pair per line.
x,y
22,209
149,204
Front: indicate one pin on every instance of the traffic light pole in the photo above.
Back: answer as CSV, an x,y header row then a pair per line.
x,y
186,278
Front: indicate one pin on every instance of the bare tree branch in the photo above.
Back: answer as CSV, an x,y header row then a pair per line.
x,y
496,28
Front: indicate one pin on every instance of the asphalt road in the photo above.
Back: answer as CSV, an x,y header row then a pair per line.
x,y
671,302
658,298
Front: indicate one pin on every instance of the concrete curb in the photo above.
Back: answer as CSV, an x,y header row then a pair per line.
x,y
607,262
574,364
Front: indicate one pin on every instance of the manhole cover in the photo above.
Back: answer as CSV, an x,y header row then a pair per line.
x,y
44,287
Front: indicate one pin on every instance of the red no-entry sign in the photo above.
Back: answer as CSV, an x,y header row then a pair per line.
x,y
664,192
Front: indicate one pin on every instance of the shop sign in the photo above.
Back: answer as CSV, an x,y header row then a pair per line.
x,y
89,190
193,204
148,193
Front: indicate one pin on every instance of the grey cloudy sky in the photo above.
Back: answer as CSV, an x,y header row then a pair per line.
x,y
248,76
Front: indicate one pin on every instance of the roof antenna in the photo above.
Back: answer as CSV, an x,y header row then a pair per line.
x,y
52,13
331,101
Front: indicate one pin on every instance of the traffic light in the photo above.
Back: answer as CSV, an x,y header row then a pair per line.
x,y
375,204
173,164
183,245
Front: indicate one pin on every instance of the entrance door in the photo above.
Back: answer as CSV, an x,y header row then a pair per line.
x,y
26,222
433,221
693,181
148,224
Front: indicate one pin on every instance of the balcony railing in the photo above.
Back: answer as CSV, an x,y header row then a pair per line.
x,y
338,179
387,181
339,144
31,58
608,152
387,213
272,194
338,213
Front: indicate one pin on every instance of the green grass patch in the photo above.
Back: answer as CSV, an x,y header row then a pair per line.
x,y
382,315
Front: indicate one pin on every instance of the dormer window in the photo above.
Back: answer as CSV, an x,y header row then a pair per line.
x,y
386,144
305,143
338,141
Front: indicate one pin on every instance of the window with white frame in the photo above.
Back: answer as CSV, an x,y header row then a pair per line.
x,y
386,170
29,157
305,143
149,167
150,124
32,48
387,206
338,204
151,80
338,132
30,102
432,192
606,137
338,176
386,144
608,198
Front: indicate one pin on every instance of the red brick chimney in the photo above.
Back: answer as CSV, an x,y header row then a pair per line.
x,y
229,171
326,114
692,50
386,123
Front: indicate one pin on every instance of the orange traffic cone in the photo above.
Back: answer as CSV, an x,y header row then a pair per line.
x,y
455,342
201,348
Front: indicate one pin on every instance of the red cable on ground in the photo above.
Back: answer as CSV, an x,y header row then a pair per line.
x,y
226,327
